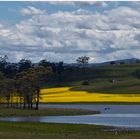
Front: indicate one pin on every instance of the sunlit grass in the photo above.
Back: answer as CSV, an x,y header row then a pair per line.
x,y
64,94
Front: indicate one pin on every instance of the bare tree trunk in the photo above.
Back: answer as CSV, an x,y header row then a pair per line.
x,y
20,98
17,101
8,103
11,98
24,104
28,105
28,101
2,104
37,100
31,103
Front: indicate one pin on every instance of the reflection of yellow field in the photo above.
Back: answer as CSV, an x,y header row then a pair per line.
x,y
63,94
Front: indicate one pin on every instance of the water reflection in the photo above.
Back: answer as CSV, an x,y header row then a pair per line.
x,y
103,108
121,120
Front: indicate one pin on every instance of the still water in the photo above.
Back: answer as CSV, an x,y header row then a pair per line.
x,y
103,108
126,116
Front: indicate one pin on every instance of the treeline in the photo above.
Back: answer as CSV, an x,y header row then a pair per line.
x,y
11,69
20,82
61,73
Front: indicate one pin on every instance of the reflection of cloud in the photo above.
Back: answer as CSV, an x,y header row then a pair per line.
x,y
113,34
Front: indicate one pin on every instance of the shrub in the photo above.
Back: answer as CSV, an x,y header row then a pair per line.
x,y
85,83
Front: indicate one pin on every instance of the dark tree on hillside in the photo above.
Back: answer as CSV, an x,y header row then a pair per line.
x,y
137,61
60,70
24,65
83,61
3,62
137,73
7,89
122,62
112,63
11,70
46,63
1,76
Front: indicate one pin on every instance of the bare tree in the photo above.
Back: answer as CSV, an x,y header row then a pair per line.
x,y
83,61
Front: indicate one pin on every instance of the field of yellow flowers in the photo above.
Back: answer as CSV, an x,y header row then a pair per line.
x,y
64,94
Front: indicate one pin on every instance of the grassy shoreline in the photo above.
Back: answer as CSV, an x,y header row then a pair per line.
x,y
45,112
35,130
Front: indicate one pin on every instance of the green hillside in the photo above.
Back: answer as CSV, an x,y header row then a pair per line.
x,y
102,79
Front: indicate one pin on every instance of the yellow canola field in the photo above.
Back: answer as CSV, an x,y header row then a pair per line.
x,y
63,94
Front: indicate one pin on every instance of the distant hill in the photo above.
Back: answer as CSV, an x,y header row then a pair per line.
x,y
122,61
115,62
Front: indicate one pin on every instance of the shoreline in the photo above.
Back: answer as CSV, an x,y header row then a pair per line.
x,y
98,103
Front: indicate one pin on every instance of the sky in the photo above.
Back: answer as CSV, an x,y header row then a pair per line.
x,y
63,31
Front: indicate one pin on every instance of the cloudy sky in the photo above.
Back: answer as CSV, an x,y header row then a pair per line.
x,y
63,31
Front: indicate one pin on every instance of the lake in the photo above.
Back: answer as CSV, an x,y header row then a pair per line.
x,y
126,116
103,108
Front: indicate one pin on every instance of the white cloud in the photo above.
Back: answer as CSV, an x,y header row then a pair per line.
x,y
113,34
31,11
80,3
